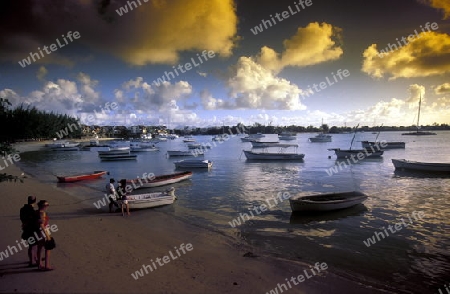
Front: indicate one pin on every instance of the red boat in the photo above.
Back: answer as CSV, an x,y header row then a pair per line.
x,y
92,176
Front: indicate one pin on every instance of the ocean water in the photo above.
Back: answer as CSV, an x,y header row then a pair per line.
x,y
414,259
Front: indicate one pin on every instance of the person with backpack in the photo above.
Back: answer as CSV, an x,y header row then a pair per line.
x,y
30,226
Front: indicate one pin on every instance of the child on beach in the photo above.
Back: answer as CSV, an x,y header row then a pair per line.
x,y
43,222
30,225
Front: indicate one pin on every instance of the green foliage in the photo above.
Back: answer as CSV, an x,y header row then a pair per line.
x,y
29,123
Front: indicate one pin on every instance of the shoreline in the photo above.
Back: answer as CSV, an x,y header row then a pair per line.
x,y
95,248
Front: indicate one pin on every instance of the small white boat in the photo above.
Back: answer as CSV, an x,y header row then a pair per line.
x,y
149,200
62,144
321,138
193,163
403,164
142,147
327,202
265,154
194,152
221,137
252,137
379,145
188,139
353,153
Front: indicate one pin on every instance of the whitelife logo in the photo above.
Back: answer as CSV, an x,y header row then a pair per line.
x,y
35,56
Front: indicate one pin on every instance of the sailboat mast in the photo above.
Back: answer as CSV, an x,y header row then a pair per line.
x,y
418,115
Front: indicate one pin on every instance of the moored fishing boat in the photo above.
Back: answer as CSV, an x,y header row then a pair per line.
x,y
82,177
320,138
115,157
193,163
287,136
266,154
357,153
327,202
150,200
403,164
381,145
163,180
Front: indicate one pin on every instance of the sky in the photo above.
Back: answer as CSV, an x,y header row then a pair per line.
x,y
222,62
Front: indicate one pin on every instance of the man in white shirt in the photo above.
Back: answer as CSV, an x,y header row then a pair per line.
x,y
112,194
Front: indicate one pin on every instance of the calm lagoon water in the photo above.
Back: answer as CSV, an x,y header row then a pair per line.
x,y
415,259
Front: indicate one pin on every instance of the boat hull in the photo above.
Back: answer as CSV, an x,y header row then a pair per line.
x,y
327,202
163,180
387,145
193,164
71,179
273,156
118,157
368,153
149,200
402,164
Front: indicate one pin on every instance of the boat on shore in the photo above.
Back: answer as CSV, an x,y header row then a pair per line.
x,y
162,180
380,145
82,177
266,154
150,200
193,163
327,202
403,164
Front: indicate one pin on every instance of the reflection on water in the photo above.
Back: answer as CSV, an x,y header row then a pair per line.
x,y
415,259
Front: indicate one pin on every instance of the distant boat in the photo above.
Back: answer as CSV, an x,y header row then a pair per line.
x,y
379,145
62,144
287,136
403,164
193,163
163,180
327,202
419,133
150,200
142,147
115,157
82,177
355,153
252,137
195,152
198,146
320,138
114,152
349,153
188,139
256,144
270,155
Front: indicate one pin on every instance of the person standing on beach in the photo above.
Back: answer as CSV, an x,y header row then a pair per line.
x,y
112,194
30,225
123,194
43,222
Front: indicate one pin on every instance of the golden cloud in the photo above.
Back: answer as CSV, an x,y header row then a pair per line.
x,y
425,55
441,5
442,89
311,45
162,29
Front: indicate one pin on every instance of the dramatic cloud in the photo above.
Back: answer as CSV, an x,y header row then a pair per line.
x,y
442,89
443,5
425,55
154,32
253,86
314,44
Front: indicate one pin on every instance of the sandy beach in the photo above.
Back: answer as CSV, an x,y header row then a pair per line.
x,y
97,252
